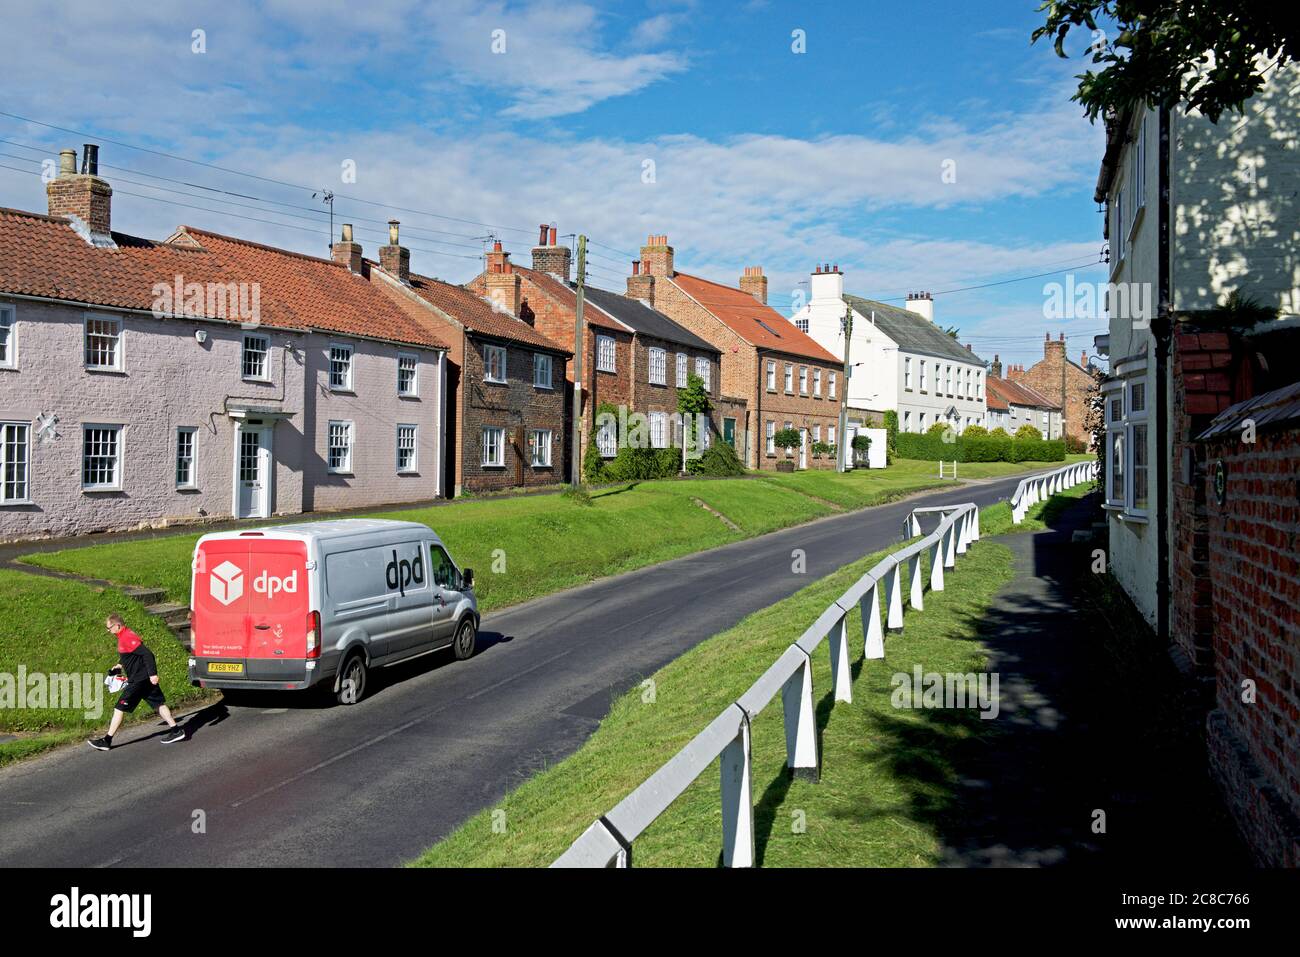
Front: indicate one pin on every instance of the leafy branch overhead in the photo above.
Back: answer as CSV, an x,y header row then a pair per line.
x,y
1209,55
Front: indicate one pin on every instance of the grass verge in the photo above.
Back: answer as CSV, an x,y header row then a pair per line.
x,y
54,626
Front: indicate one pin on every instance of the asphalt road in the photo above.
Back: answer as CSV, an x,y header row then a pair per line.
x,y
284,782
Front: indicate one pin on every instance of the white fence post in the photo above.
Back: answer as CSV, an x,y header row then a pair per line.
x,y
873,639
841,676
916,599
737,801
800,723
895,620
936,565
950,547
960,524
975,514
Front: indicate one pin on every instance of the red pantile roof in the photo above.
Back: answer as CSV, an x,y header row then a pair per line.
x,y
43,256
476,315
592,314
754,322
1006,392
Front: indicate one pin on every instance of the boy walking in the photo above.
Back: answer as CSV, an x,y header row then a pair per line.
x,y
136,662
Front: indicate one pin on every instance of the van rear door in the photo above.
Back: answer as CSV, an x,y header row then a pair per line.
x,y
278,604
221,592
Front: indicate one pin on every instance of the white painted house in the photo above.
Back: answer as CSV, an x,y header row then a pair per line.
x,y
900,360
1230,225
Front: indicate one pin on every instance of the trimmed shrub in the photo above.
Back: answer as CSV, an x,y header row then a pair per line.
x,y
990,448
999,433
1028,431
1075,445
975,432
718,459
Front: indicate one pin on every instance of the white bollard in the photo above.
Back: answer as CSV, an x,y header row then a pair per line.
x,y
737,802
841,676
873,638
800,724
895,617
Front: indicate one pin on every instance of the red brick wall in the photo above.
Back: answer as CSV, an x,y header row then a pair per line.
x,y
1061,381
1253,540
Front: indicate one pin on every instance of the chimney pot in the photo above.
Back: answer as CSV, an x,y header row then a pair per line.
x,y
392,232
346,252
87,196
67,162
636,267
553,236
90,160
541,235
347,233
496,246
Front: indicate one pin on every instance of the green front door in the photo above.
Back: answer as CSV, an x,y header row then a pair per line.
x,y
729,432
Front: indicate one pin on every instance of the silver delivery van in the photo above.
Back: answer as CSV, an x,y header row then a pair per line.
x,y
296,606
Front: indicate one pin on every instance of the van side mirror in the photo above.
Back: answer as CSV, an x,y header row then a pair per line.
x,y
467,578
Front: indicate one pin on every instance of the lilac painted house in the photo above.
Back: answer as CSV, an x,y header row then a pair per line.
x,y
145,384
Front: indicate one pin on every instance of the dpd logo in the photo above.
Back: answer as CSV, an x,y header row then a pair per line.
x,y
268,585
399,574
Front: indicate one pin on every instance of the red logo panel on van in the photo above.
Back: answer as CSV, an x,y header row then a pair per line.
x,y
250,599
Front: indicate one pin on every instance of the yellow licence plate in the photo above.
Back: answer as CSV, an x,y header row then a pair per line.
x,y
225,667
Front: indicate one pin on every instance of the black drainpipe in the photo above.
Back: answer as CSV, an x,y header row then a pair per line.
x,y
1162,329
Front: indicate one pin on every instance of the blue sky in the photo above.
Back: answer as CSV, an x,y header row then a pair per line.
x,y
762,156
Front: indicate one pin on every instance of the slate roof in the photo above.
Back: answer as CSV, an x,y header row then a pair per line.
x,y
644,319
565,292
912,332
757,324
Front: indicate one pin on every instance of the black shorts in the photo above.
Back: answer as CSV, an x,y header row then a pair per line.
x,y
145,691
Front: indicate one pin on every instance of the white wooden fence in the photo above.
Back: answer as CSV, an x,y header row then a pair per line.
x,y
608,841
1034,489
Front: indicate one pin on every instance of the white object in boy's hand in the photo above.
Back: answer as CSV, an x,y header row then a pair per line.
x,y
114,683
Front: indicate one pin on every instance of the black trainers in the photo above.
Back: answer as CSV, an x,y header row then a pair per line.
x,y
175,734
100,744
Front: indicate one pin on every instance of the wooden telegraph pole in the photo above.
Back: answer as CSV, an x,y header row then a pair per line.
x,y
841,443
578,337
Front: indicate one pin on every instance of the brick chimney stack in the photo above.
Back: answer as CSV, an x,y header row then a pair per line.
x,y
502,282
995,367
754,283
549,256
346,252
1083,358
657,256
640,285
395,258
921,303
1054,349
83,194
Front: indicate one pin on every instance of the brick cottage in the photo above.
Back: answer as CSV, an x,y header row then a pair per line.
x,y
773,375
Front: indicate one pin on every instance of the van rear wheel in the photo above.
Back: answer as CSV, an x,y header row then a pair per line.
x,y
352,681
466,637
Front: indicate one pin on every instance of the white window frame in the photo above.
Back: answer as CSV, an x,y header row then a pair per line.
x,y
350,431
1115,433
350,374
492,439
907,372
1135,419
803,380
119,357
606,354
118,456
607,438
681,370
771,375
770,435
26,498
789,378
502,359
244,354
537,445
413,466
659,430
907,420
817,433
924,381
657,366
817,383
543,371
830,435
193,433
9,336
832,385
789,453
413,391
702,370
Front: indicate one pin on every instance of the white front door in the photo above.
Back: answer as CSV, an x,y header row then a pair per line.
x,y
252,472
803,448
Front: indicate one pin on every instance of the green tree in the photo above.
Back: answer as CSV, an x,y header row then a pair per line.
x,y
692,401
1204,54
